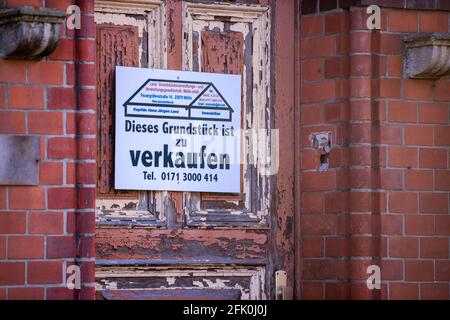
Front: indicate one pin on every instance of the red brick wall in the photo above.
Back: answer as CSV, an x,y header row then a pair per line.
x,y
48,227
385,198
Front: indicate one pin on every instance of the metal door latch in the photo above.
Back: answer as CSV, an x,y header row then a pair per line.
x,y
283,292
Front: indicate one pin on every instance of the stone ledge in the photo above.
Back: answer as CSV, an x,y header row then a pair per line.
x,y
315,6
29,33
427,55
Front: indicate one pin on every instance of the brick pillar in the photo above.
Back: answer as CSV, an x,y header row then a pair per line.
x,y
46,228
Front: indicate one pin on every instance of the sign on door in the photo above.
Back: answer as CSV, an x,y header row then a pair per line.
x,y
177,130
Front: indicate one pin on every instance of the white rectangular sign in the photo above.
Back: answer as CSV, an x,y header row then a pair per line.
x,y
177,130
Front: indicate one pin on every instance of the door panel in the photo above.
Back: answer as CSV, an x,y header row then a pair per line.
x,y
124,41
222,52
235,39
170,245
180,283
128,34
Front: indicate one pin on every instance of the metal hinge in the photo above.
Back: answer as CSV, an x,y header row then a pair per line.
x,y
283,292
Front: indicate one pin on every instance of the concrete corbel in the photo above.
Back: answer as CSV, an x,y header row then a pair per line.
x,y
29,33
427,55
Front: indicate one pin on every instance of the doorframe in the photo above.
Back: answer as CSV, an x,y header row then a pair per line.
x,y
298,271
283,217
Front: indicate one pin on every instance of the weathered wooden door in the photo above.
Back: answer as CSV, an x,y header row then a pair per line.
x,y
164,245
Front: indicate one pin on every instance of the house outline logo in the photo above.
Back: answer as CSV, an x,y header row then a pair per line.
x,y
191,111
